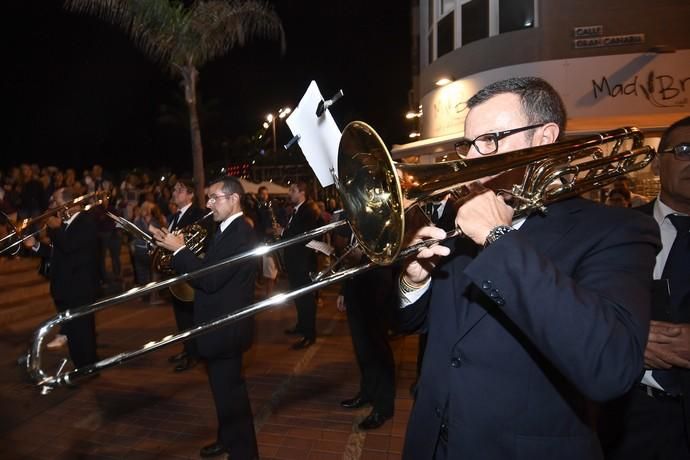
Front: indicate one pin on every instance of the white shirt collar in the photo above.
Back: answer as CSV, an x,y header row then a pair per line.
x,y
228,221
184,209
71,219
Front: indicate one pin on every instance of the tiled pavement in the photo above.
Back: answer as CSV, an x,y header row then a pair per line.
x,y
143,410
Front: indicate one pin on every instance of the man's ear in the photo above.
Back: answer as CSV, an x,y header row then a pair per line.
x,y
547,134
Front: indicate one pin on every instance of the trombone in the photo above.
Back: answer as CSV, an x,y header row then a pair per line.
x,y
17,235
376,192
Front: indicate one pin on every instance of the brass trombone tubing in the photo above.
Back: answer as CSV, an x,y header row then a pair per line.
x,y
46,214
48,383
34,357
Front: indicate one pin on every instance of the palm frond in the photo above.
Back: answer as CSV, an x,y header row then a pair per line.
x,y
175,36
223,25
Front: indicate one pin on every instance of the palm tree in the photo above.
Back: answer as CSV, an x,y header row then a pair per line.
x,y
183,38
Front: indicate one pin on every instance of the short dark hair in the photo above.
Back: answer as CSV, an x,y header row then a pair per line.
x,y
230,185
263,187
666,137
540,102
302,186
625,193
188,183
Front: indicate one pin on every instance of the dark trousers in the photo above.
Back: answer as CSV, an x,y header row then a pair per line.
x,y
111,243
374,356
306,304
81,336
235,420
184,317
367,298
642,427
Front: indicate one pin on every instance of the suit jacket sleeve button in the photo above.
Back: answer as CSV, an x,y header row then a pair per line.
x,y
486,284
455,362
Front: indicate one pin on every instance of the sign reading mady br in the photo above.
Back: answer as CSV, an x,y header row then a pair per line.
x,y
593,37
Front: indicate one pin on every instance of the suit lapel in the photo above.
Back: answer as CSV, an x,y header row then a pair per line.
x,y
543,231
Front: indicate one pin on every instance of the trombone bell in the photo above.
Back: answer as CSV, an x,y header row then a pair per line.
x,y
370,191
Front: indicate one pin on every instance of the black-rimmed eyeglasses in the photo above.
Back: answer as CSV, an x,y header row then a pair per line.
x,y
486,144
213,198
681,152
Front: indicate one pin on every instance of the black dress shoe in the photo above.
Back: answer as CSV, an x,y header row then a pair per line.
x,y
355,403
292,331
373,420
302,343
178,357
212,450
185,364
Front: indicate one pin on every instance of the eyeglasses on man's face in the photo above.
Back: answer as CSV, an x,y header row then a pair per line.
x,y
486,144
681,152
217,196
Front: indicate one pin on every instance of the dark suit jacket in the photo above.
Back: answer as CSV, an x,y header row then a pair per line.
x,y
298,258
677,314
74,262
193,214
223,291
523,335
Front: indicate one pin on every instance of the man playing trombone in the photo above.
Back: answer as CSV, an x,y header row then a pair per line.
x,y
551,314
217,294
74,254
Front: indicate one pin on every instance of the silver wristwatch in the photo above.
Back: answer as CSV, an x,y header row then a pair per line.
x,y
496,233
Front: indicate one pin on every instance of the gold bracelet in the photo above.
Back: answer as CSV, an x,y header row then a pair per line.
x,y
407,286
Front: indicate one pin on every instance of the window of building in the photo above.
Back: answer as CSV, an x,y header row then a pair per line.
x,y
446,6
446,35
475,21
515,15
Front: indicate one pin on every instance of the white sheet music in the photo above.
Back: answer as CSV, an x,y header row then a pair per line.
x,y
319,137
320,246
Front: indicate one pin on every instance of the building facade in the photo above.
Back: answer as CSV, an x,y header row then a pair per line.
x,y
615,63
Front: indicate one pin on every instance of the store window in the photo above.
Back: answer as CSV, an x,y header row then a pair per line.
x,y
515,15
446,35
475,21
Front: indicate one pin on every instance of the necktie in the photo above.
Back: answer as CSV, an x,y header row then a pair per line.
x,y
677,268
294,212
677,272
217,235
175,220
432,211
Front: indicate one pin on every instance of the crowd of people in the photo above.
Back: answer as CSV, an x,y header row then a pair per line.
x,y
560,334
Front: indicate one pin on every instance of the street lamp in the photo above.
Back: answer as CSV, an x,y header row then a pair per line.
x,y
271,120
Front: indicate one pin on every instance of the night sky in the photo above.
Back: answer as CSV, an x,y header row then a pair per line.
x,y
79,92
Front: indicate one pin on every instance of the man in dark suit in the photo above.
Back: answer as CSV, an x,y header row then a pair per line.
x,y
218,294
188,213
300,261
653,420
369,300
74,254
441,213
552,314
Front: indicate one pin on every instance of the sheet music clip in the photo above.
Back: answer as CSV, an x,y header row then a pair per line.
x,y
291,142
324,105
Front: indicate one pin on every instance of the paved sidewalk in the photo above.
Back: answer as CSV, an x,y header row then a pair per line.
x,y
143,410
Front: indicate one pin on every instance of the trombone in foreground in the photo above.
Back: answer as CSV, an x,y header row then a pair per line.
x,y
376,192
